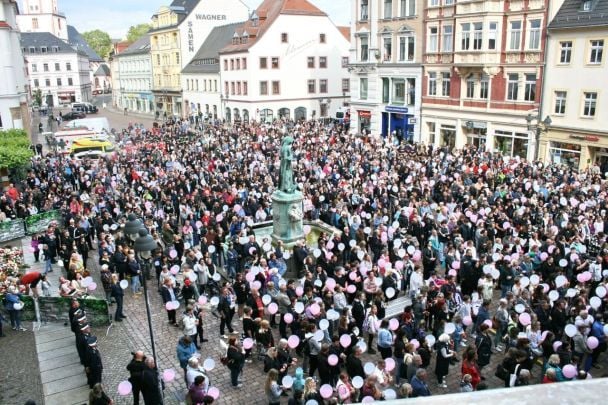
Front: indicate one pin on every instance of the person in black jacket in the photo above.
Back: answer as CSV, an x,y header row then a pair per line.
x,y
323,365
169,295
236,359
93,365
149,383
118,293
354,366
136,367
358,310
226,310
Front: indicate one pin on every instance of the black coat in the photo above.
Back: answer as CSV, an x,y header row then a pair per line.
x,y
484,349
149,386
354,366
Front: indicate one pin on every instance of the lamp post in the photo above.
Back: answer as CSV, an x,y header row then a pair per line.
x,y
143,246
540,126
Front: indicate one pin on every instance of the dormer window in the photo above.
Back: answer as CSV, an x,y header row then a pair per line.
x,y
587,5
55,49
43,49
245,37
235,39
32,49
255,19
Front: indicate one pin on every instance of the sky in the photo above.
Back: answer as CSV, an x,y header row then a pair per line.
x,y
116,16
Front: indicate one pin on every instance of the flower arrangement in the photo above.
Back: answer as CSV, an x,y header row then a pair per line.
x,y
11,265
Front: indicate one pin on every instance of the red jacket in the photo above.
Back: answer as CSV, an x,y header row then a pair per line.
x,y
471,368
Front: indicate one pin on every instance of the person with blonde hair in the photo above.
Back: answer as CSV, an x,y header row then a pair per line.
x,y
311,392
272,388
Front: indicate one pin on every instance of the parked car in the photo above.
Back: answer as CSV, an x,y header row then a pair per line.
x,y
73,115
90,108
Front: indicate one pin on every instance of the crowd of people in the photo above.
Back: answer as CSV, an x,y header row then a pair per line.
x,y
494,253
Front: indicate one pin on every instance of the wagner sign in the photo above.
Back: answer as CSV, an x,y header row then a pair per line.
x,y
211,17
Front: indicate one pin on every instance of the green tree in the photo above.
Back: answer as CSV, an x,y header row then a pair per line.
x,y
38,97
100,41
137,31
14,149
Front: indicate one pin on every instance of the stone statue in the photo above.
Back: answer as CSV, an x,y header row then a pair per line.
x,y
286,183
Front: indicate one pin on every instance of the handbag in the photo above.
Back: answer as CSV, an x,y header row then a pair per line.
x,y
513,377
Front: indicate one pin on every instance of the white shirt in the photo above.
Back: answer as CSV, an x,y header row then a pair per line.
x,y
189,325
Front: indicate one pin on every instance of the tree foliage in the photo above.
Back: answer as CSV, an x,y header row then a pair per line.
x,y
99,41
137,31
14,148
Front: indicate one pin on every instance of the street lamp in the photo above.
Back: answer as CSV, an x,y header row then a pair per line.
x,y
540,126
143,246
132,227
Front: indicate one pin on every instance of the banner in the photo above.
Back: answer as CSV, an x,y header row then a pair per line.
x,y
39,222
10,230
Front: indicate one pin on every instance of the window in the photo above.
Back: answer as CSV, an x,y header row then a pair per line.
x,y
345,85
471,86
560,103
323,86
36,83
364,8
477,35
34,67
363,88
43,49
484,85
511,143
276,87
263,63
512,86
445,84
177,58
432,47
492,34
238,64
345,61
311,87
231,64
515,36
284,37
590,104
232,88
565,53
274,63
226,88
45,67
225,64
399,91
433,3
432,84
407,8
534,38
388,49
322,38
448,38
35,23
530,87
364,51
59,81
597,49
407,48
245,88
388,8
323,62
264,88
47,82
587,5
311,62
158,62
565,153
465,41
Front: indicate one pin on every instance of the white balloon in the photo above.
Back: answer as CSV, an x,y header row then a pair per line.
x,y
266,299
217,277
299,307
411,249
524,281
553,295
595,302
369,368
571,292
390,394
560,281
600,291
390,292
124,284
534,279
519,308
214,301
570,330
397,243
287,381
357,381
319,335
324,324
449,328
430,340
211,249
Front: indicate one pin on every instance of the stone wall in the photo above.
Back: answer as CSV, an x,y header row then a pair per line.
x,y
55,309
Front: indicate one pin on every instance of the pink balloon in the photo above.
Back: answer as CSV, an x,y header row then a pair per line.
x,y
250,277
199,224
257,284
173,254
92,287
174,269
351,289
299,291
467,320
592,342
219,218
367,399
214,392
524,318
326,390
345,340
124,388
332,360
273,308
236,208
381,263
169,375
586,275
551,248
247,343
456,265
580,277
169,305
389,364
330,283
288,318
399,265
417,256
488,322
315,309
393,324
544,256
352,275
452,272
556,345
330,245
569,371
202,300
416,343
293,341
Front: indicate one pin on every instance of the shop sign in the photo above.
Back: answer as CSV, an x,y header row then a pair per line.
x,y
587,138
190,37
365,114
393,109
411,121
476,125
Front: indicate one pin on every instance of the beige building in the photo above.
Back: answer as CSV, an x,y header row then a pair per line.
x,y
385,66
575,95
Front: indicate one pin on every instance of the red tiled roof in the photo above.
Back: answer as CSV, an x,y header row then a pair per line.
x,y
345,31
267,12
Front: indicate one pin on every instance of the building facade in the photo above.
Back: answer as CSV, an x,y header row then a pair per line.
x,y
176,35
60,72
134,84
578,106
43,16
483,68
14,111
385,66
287,61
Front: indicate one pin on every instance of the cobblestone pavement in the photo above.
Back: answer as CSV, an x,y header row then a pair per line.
x,y
19,372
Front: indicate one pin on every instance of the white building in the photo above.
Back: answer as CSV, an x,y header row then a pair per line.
x,y
385,67
134,84
59,71
288,61
574,95
201,82
14,112
43,16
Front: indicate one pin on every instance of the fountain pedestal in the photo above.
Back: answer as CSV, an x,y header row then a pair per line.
x,y
287,218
